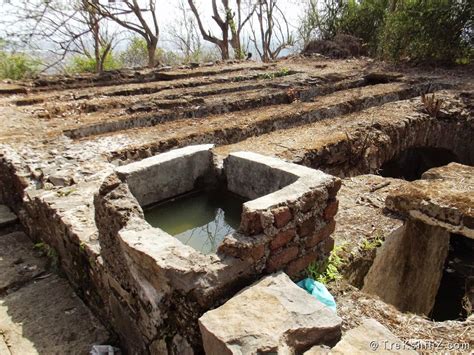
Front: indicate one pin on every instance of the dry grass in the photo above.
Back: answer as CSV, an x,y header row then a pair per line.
x,y
431,105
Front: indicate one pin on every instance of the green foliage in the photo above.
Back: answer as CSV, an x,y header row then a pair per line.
x,y
167,57
328,270
17,66
85,64
364,20
420,31
136,53
50,253
372,243
435,31
272,75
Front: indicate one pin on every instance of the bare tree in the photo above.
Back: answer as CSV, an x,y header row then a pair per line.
x,y
184,34
237,22
72,27
130,14
309,22
222,43
230,23
274,33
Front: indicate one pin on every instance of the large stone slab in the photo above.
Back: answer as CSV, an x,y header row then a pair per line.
x,y
19,263
408,268
7,217
46,317
444,197
370,337
273,314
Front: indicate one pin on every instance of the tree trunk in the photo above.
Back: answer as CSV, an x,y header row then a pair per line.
x,y
224,47
151,47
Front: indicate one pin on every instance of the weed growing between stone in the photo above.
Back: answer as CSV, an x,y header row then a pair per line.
x,y
272,75
328,270
371,244
50,253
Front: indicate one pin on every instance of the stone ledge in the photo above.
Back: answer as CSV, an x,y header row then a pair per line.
x,y
7,217
444,197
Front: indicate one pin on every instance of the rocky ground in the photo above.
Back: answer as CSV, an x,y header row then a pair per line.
x,y
61,136
39,311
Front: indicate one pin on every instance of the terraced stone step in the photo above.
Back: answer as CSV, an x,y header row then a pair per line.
x,y
163,98
114,78
238,102
141,88
232,128
360,142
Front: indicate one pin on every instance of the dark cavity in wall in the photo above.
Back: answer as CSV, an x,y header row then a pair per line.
x,y
453,295
413,162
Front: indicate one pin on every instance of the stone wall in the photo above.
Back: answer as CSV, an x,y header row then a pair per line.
x,y
290,226
166,175
145,285
165,286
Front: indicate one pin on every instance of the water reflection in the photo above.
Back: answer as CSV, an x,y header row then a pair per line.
x,y
200,220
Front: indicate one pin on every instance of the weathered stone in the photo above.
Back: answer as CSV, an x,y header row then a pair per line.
x,y
408,268
328,245
19,263
444,197
7,217
169,174
307,227
242,247
251,223
60,180
280,259
282,216
331,210
318,350
296,267
282,238
321,234
271,315
333,190
370,337
46,317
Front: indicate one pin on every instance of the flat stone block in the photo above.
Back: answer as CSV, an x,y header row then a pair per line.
x,y
19,263
46,317
272,315
7,217
370,337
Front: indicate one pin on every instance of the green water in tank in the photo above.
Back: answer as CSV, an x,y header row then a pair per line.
x,y
200,219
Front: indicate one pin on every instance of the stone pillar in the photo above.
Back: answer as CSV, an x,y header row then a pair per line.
x,y
408,268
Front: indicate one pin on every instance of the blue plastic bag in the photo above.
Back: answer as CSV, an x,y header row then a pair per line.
x,y
318,291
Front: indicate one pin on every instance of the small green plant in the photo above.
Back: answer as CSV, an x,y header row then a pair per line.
x,y
65,192
272,75
17,66
50,253
328,270
371,244
282,72
85,64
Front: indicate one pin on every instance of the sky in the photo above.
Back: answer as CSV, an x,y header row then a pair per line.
x,y
167,11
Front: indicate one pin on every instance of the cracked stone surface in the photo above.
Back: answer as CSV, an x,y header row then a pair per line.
x,y
39,311
273,314
370,337
444,197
